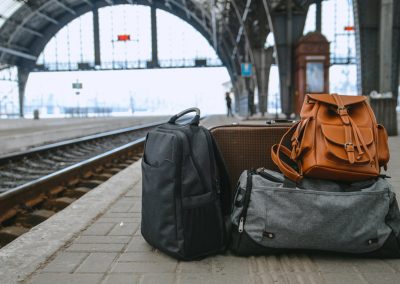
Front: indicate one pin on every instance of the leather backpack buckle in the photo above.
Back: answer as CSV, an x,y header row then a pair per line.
x,y
342,110
349,147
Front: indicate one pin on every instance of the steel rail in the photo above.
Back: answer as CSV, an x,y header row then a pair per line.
x,y
54,146
38,189
24,193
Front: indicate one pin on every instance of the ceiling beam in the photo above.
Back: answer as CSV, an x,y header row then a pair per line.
x,y
186,9
48,18
242,29
65,7
18,53
88,2
29,30
214,24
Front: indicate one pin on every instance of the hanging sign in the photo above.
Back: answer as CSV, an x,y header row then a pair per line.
x,y
124,37
246,69
77,85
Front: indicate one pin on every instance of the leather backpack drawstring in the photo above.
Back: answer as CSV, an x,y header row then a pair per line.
x,y
358,136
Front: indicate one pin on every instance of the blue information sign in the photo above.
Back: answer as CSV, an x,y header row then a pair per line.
x,y
246,69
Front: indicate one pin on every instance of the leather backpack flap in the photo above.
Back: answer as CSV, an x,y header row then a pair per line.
x,y
335,143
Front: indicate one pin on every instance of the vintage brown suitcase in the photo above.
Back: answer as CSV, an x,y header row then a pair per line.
x,y
247,146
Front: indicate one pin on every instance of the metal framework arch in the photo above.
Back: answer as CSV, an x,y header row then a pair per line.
x,y
36,44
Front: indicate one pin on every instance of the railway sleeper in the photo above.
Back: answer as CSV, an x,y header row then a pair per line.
x,y
91,183
56,191
73,182
87,175
8,214
76,192
34,218
114,170
8,234
103,177
125,165
98,170
32,202
58,204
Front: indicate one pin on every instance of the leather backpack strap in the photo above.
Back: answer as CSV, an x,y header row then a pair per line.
x,y
351,130
285,168
344,116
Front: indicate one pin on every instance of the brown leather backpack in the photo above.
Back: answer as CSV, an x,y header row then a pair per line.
x,y
337,138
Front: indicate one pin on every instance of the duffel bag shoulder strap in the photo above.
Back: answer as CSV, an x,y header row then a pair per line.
x,y
284,167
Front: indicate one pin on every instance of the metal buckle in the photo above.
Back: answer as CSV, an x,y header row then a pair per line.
x,y
346,145
342,110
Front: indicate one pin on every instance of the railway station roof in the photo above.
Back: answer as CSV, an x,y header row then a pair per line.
x,y
231,26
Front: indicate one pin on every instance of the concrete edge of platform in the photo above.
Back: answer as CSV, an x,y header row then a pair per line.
x,y
25,255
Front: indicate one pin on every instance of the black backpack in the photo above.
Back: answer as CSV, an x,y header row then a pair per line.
x,y
185,190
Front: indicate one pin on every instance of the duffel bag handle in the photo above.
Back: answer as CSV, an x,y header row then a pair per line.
x,y
195,120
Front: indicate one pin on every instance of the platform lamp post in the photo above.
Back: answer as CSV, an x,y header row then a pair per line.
x,y
77,87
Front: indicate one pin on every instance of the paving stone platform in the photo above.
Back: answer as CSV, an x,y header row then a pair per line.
x,y
107,247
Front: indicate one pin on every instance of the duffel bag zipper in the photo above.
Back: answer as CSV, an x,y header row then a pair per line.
x,y
241,225
246,201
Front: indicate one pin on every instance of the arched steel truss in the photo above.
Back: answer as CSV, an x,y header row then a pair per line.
x,y
235,28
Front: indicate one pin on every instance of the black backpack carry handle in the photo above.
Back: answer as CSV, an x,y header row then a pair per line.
x,y
195,120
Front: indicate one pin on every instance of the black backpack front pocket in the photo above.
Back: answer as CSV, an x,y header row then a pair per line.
x,y
202,222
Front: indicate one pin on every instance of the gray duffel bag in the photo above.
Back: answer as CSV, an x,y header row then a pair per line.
x,y
271,215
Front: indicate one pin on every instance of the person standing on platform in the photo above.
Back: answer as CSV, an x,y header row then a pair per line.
x,y
228,104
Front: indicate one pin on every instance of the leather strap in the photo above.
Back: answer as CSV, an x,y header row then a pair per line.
x,y
297,138
278,149
344,116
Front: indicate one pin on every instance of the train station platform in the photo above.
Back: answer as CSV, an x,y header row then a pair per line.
x,y
97,240
21,134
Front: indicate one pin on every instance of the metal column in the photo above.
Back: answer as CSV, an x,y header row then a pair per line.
x,y
377,41
23,74
385,46
287,27
96,37
154,48
318,16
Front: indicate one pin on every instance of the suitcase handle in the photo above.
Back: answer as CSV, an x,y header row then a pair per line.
x,y
195,120
277,121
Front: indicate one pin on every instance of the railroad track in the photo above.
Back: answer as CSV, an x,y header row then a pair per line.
x,y
36,184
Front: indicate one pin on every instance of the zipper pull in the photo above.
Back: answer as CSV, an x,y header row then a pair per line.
x,y
241,225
